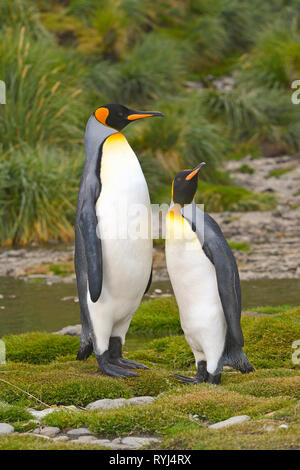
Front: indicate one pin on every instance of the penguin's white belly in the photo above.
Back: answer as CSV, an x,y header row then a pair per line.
x,y
194,282
123,211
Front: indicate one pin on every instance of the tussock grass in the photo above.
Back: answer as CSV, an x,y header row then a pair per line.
x,y
219,198
39,348
40,106
38,192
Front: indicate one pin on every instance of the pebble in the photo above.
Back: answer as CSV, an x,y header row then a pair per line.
x,y
87,439
71,330
61,438
41,414
140,401
283,426
6,428
79,432
230,422
106,404
50,431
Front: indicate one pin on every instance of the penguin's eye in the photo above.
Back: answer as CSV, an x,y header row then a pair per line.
x,y
120,114
178,179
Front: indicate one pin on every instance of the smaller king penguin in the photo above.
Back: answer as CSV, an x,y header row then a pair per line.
x,y
206,284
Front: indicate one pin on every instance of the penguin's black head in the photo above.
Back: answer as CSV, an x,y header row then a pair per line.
x,y
118,116
185,185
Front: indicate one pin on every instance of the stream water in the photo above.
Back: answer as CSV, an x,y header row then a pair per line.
x,y
33,305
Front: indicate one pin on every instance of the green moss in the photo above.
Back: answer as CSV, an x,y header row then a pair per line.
x,y
73,383
62,269
268,343
13,414
156,317
271,387
27,442
268,340
174,408
239,246
279,172
39,348
272,309
246,169
233,198
248,436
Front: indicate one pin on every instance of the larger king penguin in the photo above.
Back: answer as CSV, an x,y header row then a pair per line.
x,y
206,284
113,272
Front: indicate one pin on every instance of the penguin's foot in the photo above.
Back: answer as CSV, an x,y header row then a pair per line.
x,y
109,367
115,353
186,380
85,350
127,363
214,379
202,376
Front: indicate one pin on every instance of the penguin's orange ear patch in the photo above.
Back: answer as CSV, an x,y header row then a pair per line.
x,y
101,115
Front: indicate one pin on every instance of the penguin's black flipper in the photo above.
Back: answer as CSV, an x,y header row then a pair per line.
x,y
92,244
219,253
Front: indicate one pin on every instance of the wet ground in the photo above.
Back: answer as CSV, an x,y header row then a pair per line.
x,y
33,305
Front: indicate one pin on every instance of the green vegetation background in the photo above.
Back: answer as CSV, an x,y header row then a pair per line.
x,y
62,59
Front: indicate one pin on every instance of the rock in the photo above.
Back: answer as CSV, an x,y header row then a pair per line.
x,y
79,432
71,330
283,426
87,439
230,422
106,404
41,414
102,442
1,296
140,401
61,438
6,428
36,431
136,442
16,253
50,431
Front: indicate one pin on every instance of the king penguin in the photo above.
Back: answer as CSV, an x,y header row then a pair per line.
x,y
113,272
206,284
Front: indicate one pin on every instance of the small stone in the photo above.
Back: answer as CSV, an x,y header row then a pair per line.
x,y
1,296
41,414
136,442
79,432
158,291
36,431
140,401
106,404
50,431
230,422
72,330
283,426
61,438
101,442
6,428
87,439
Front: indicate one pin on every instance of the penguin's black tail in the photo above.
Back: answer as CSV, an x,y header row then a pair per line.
x,y
85,350
235,357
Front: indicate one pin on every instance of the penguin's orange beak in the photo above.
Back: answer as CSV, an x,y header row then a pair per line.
x,y
143,114
194,172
